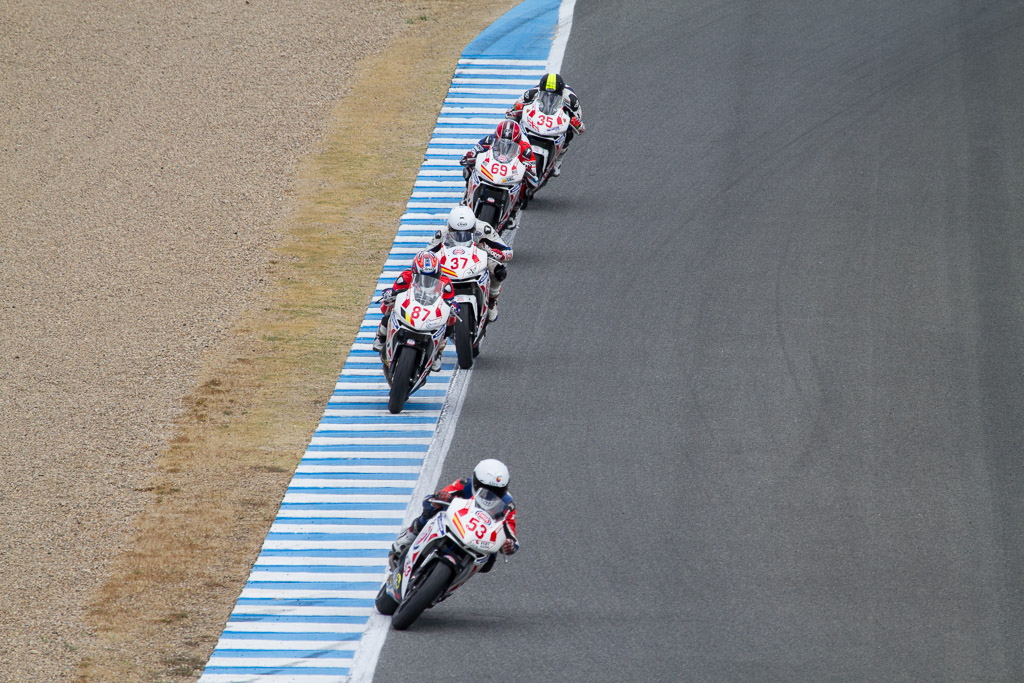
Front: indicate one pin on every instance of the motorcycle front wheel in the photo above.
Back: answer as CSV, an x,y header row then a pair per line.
x,y
423,596
464,339
488,213
401,380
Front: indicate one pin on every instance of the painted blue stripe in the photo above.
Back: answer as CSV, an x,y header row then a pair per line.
x,y
401,418
367,405
337,554
359,476
382,447
277,671
290,654
383,393
306,602
312,536
352,490
382,462
375,434
322,568
291,635
316,585
339,507
296,619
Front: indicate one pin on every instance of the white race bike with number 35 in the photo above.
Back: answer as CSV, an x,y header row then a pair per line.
x,y
453,546
416,336
546,124
495,184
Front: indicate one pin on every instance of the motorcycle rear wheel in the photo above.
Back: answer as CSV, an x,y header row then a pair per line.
x,y
464,339
488,213
401,380
423,596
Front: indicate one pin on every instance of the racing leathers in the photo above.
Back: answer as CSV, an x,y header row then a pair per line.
x,y
387,304
530,180
462,488
498,254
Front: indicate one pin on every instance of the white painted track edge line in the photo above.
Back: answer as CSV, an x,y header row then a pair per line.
x,y
565,11
364,665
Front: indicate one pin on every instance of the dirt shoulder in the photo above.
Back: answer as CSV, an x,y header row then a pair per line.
x,y
196,200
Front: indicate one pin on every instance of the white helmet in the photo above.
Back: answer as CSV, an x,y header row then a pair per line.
x,y
461,224
491,474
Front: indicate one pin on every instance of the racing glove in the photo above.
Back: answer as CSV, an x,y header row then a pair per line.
x,y
510,547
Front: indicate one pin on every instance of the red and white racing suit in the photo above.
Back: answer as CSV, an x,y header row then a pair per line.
x,y
404,282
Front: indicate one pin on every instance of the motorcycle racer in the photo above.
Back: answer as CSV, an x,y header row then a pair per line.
x,y
424,265
553,82
490,475
506,130
465,228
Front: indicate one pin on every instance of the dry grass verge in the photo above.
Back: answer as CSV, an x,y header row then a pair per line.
x,y
244,428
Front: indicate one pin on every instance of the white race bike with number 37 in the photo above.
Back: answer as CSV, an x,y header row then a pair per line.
x,y
453,546
465,264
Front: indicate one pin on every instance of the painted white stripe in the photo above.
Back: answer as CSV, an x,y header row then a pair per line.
x,y
505,62
469,140
512,93
291,627
397,441
497,111
314,576
440,183
271,678
491,82
235,642
283,527
470,71
276,663
438,173
430,195
338,498
300,611
565,12
371,469
333,514
390,427
308,594
361,412
303,560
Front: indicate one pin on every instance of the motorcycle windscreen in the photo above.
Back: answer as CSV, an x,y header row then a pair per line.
x,y
490,502
549,103
504,151
459,238
426,289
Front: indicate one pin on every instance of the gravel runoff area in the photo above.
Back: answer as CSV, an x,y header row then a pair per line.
x,y
147,151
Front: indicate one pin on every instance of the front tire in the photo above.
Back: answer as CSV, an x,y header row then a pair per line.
x,y
401,379
385,604
423,596
464,339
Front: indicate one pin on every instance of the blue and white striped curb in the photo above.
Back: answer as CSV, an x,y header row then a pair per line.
x,y
303,612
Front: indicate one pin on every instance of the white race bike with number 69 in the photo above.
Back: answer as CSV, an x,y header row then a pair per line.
x,y
450,548
494,186
415,337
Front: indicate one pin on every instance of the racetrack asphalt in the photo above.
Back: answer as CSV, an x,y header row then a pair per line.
x,y
759,375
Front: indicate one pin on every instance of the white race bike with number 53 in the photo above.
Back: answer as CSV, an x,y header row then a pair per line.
x,y
546,124
495,184
453,546
416,336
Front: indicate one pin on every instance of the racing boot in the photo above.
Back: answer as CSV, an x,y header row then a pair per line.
x,y
492,310
403,542
556,170
378,342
